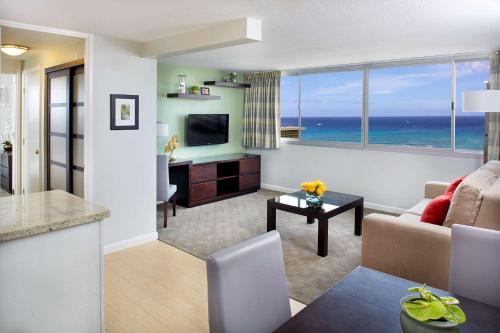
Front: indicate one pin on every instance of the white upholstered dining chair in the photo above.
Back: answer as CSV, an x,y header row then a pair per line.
x,y
475,263
164,190
247,290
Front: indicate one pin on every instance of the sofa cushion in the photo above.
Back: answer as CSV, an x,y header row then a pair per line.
x,y
407,217
436,210
489,214
493,166
467,198
418,209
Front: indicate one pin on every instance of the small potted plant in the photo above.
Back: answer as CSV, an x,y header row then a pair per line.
x,y
172,144
426,308
7,145
314,192
195,89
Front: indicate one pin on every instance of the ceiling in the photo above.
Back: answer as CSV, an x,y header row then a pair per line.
x,y
38,42
296,33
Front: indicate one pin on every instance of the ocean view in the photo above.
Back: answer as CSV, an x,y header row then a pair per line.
x,y
411,131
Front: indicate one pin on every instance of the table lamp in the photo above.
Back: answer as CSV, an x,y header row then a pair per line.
x,y
162,130
481,101
487,101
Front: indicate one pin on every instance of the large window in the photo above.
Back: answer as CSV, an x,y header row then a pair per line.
x,y
401,104
332,106
410,105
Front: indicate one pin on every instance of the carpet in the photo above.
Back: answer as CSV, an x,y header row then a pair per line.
x,y
205,229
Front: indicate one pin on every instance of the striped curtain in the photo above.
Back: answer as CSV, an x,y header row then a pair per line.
x,y
493,148
261,113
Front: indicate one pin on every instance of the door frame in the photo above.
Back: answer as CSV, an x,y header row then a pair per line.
x,y
23,155
89,95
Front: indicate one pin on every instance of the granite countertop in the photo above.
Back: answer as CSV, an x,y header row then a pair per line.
x,y
37,213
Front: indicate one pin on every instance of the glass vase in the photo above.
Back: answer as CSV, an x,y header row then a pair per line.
x,y
313,200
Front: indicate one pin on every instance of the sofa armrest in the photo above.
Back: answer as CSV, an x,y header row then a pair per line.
x,y
412,250
434,189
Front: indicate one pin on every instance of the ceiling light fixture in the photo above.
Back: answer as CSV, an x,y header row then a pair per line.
x,y
13,50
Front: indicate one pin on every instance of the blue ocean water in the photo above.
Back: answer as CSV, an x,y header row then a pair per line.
x,y
411,131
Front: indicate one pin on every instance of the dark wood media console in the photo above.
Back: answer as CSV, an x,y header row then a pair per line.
x,y
208,179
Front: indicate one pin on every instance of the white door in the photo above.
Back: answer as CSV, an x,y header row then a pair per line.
x,y
31,131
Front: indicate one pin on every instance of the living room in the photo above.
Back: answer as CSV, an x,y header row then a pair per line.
x,y
312,173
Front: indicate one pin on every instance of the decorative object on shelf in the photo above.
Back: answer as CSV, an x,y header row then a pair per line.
x,y
13,50
7,145
205,91
233,77
314,192
181,89
172,145
432,310
162,132
225,77
195,90
227,84
124,112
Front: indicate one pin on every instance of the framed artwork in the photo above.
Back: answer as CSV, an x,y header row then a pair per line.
x,y
205,91
124,112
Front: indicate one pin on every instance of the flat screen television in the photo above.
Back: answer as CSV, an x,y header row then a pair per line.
x,y
207,129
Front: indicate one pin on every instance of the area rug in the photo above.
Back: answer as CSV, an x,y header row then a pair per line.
x,y
205,229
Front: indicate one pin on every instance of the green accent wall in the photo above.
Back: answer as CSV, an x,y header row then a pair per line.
x,y
174,111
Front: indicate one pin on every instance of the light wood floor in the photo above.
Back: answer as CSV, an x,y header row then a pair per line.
x,y
157,288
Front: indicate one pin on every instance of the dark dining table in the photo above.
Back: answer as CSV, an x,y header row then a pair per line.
x,y
368,301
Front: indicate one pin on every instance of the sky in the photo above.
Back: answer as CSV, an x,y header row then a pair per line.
x,y
417,90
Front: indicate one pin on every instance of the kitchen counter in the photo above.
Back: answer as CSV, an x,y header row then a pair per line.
x,y
37,213
51,250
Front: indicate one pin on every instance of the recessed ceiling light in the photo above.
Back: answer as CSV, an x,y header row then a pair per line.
x,y
13,50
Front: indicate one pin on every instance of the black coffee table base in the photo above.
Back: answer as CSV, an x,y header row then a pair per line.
x,y
342,203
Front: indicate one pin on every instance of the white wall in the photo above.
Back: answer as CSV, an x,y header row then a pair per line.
x,y
49,57
123,168
391,179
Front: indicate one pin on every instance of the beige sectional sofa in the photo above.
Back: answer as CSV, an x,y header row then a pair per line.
x,y
405,247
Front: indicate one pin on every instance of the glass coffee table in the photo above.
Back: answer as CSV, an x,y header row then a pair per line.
x,y
334,203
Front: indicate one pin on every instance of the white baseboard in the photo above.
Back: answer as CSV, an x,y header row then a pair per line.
x,y
121,245
371,205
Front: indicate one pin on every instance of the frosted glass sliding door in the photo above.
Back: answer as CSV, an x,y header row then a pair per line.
x,y
65,105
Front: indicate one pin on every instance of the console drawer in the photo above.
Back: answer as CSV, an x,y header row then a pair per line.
x,y
203,191
249,165
249,181
203,173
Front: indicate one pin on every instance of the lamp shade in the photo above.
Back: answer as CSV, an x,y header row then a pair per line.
x,y
161,129
481,101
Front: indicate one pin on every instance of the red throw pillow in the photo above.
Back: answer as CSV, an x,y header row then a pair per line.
x,y
453,185
436,210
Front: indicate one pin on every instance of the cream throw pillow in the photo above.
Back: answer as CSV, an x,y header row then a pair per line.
x,y
467,198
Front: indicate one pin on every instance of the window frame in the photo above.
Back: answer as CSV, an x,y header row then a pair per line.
x,y
365,68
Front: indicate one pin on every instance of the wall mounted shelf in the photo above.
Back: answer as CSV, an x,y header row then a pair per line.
x,y
226,84
193,96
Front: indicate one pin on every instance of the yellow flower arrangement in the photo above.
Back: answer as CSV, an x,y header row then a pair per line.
x,y
316,187
172,145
